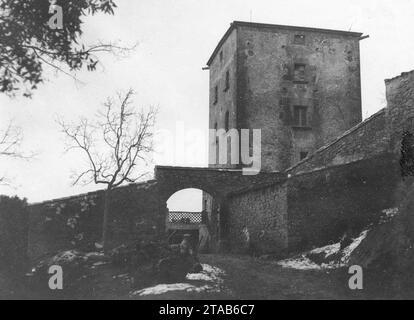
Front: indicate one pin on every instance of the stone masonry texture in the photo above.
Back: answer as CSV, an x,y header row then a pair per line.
x,y
271,74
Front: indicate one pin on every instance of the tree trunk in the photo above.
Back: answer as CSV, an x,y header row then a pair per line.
x,y
105,220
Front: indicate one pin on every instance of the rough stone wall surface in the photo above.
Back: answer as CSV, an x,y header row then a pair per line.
x,y
344,185
217,182
268,89
323,204
224,63
76,222
367,139
216,185
400,106
263,213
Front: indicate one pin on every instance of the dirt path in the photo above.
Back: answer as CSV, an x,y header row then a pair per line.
x,y
248,278
223,277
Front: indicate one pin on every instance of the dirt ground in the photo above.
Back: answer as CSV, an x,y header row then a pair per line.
x,y
242,277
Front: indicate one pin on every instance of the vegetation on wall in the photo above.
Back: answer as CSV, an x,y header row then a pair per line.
x,y
13,233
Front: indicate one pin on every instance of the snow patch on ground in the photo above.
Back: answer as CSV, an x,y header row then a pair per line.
x,y
302,262
94,254
209,273
299,263
348,250
66,256
328,250
211,276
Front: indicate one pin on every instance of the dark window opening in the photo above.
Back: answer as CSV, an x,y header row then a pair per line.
x,y
300,116
286,72
227,121
303,155
215,94
284,103
227,86
217,139
221,56
299,39
299,74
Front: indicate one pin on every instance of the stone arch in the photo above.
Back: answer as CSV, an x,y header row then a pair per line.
x,y
166,193
218,182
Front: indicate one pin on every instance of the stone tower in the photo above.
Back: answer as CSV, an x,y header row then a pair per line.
x,y
300,86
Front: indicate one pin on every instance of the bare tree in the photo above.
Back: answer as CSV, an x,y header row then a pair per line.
x,y
113,145
10,141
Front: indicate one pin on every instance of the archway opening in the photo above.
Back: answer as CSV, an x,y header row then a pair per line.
x,y
192,211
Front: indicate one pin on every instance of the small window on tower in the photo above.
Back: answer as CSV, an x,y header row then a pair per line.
x,y
299,39
221,56
227,121
300,116
227,86
303,155
215,95
300,72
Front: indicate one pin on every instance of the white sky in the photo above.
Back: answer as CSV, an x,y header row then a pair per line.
x,y
176,39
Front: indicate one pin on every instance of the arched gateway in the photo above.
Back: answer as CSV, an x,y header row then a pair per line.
x,y
218,183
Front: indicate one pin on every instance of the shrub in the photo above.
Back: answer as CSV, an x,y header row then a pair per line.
x,y
13,233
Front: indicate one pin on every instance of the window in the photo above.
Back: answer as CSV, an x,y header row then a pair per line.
x,y
221,56
299,39
299,74
227,121
303,155
215,129
300,116
286,113
227,86
215,94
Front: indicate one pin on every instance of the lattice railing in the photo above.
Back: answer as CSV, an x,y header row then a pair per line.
x,y
184,217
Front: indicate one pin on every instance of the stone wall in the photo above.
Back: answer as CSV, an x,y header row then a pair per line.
x,y
76,222
324,204
400,108
269,90
223,112
217,182
367,139
313,208
136,210
261,213
13,234
342,187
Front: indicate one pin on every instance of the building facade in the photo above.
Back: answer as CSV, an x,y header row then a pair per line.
x,y
300,86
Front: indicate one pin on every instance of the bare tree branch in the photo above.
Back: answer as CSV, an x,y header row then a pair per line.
x,y
113,145
10,147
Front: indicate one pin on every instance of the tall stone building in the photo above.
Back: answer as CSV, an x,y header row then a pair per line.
x,y
300,86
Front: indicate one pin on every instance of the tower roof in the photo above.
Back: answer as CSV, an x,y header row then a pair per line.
x,y
236,24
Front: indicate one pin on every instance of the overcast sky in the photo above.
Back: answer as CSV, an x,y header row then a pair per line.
x,y
175,40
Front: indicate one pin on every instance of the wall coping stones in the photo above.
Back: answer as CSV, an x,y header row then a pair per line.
x,y
137,185
338,139
402,75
